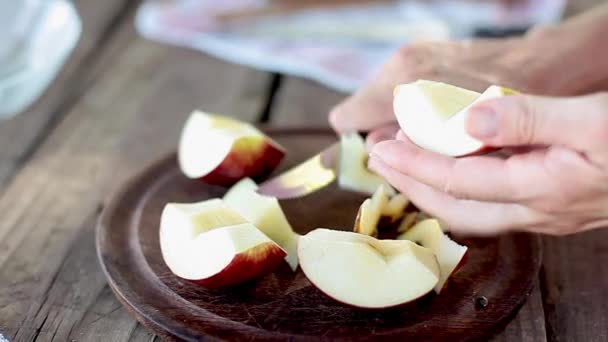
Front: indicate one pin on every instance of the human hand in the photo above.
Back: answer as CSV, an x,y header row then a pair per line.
x,y
558,186
577,64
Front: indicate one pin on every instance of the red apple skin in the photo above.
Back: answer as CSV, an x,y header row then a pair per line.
x,y
478,152
255,160
481,151
462,262
250,265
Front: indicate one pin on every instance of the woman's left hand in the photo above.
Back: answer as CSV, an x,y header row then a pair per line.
x,y
556,183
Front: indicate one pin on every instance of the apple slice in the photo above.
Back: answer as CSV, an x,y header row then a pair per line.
x,y
212,245
433,115
395,208
370,212
221,150
407,222
380,212
428,233
265,213
365,272
353,173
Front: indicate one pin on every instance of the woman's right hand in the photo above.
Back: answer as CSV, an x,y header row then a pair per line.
x,y
568,59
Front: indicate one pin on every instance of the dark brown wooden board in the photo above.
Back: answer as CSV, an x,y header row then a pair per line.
x,y
284,305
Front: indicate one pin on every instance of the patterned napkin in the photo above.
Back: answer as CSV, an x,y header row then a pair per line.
x,y
340,48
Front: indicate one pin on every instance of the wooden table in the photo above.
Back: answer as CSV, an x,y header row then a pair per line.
x,y
118,104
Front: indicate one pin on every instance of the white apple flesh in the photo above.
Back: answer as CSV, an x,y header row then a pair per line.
x,y
365,272
353,173
433,115
395,208
265,213
380,212
221,150
428,233
370,213
212,245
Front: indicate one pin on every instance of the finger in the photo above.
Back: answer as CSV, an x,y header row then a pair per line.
x,y
361,112
478,178
383,133
580,123
460,216
371,106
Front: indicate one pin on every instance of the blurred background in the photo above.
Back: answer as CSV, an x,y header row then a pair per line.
x,y
339,43
91,91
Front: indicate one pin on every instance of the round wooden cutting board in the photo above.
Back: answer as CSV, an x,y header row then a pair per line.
x,y
479,300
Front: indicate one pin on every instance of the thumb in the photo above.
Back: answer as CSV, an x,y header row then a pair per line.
x,y
580,123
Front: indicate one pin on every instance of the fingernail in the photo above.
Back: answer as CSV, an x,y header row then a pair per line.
x,y
482,123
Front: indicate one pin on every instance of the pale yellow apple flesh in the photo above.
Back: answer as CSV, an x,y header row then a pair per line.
x,y
395,208
221,150
433,114
265,213
428,233
353,173
380,211
201,216
407,222
212,245
370,213
365,272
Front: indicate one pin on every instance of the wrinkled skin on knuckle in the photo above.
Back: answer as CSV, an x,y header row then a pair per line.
x,y
572,216
526,122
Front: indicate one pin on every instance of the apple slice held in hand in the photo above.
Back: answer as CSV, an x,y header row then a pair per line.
x,y
353,173
212,245
265,213
220,150
433,115
365,272
450,255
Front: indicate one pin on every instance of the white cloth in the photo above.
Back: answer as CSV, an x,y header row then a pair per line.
x,y
341,48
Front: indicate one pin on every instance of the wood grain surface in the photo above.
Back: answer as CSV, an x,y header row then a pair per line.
x,y
118,104
58,292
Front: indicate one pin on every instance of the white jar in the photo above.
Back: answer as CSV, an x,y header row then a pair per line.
x,y
36,37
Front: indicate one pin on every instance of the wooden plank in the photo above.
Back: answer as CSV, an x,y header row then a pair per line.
x,y
52,287
529,324
299,102
574,282
142,334
304,103
20,135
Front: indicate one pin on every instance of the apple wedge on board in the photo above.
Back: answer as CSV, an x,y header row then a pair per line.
x,y
370,213
212,245
353,173
450,255
380,212
365,272
220,150
265,213
433,115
